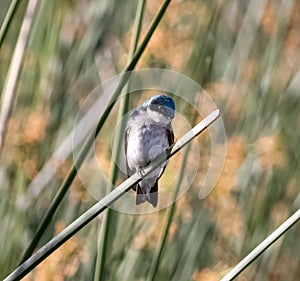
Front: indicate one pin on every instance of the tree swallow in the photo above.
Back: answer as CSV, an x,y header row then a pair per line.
x,y
148,133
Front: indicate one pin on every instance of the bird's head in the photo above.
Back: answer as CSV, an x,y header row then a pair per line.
x,y
161,103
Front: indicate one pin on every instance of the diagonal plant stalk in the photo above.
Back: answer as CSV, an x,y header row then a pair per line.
x,y
109,199
254,254
8,18
85,148
123,108
9,91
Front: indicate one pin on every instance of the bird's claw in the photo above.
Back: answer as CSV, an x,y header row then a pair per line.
x,y
141,172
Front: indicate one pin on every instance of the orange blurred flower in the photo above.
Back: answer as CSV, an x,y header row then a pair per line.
x,y
220,202
35,127
63,263
270,152
229,95
211,274
268,20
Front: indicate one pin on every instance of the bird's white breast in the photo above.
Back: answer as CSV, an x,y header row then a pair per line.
x,y
146,140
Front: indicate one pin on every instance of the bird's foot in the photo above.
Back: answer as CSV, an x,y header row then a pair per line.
x,y
141,172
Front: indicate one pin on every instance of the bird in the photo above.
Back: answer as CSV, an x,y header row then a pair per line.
x,y
148,133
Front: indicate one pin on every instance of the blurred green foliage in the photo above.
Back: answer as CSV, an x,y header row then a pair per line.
x,y
244,53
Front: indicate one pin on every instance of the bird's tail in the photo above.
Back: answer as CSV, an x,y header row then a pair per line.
x,y
151,197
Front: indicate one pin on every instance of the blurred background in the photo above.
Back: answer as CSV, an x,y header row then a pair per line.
x,y
245,54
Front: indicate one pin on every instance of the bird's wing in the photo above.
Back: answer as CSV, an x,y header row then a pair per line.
x,y
170,136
